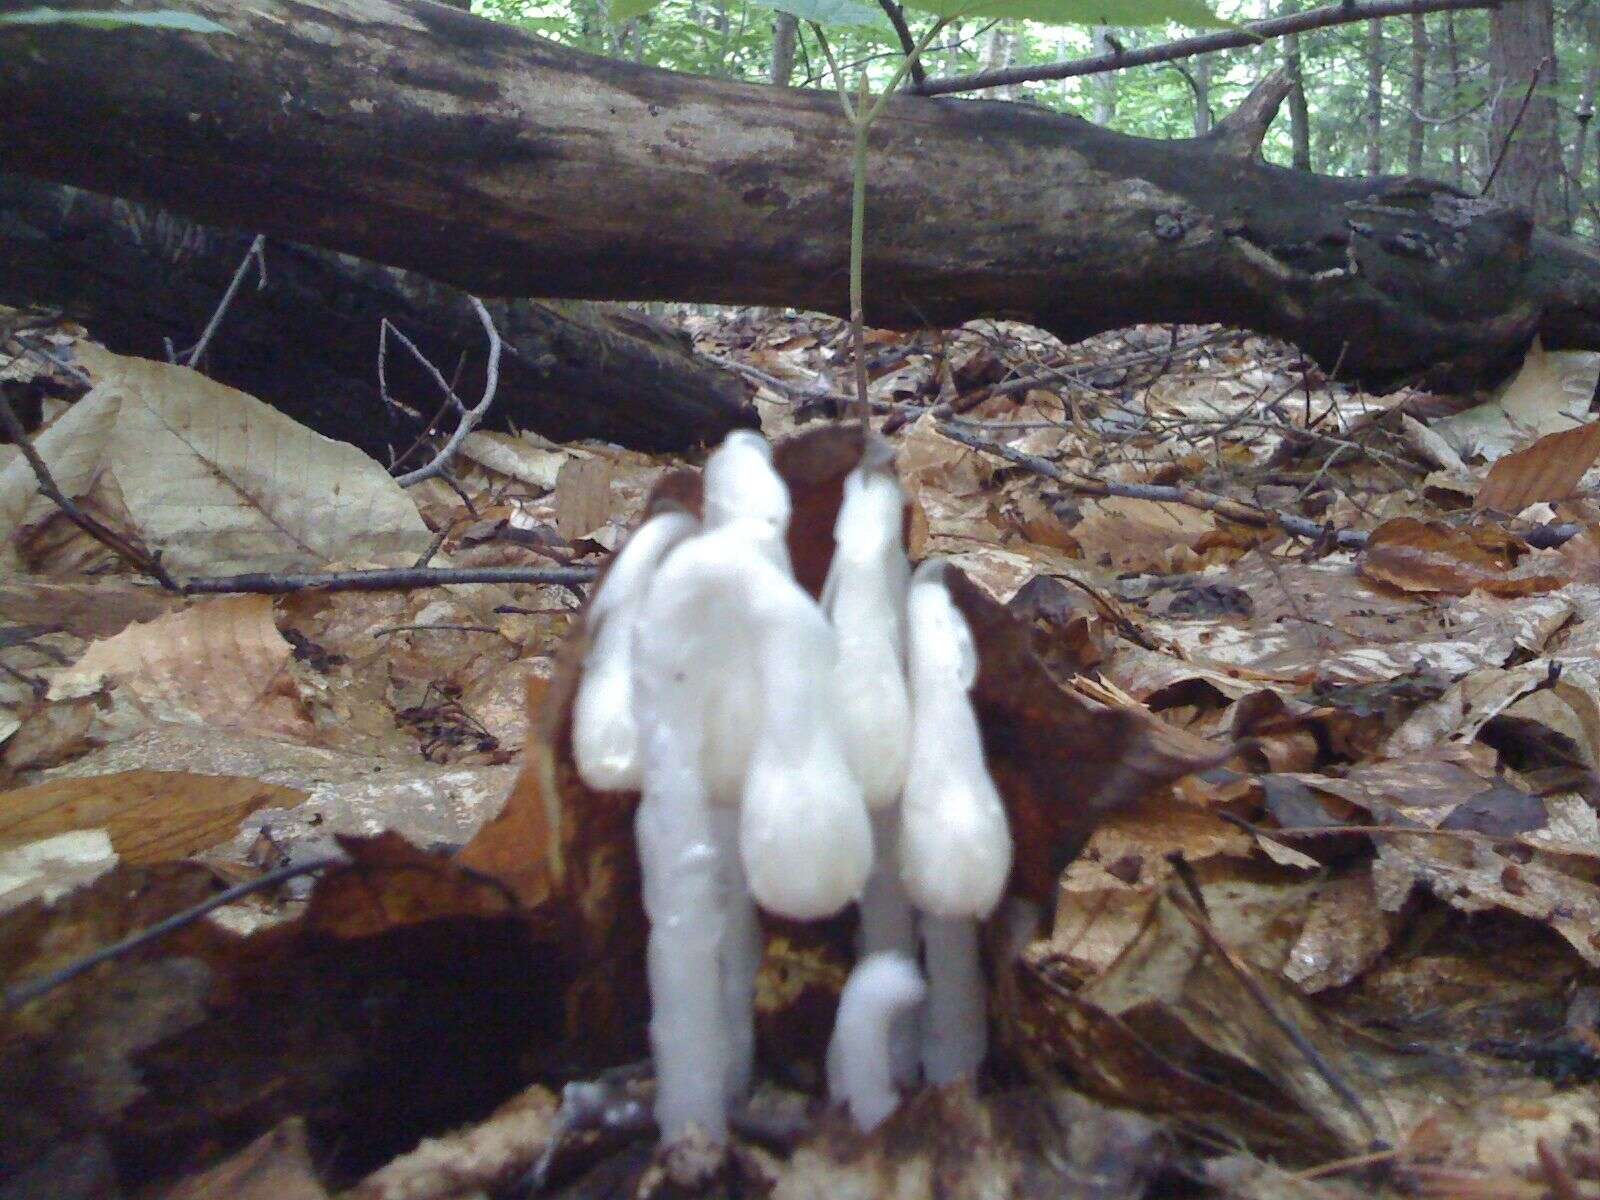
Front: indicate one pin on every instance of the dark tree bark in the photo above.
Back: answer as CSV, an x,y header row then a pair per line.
x,y
1522,53
414,135
307,341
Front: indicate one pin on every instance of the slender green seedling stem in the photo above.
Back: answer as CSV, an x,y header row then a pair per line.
x,y
861,113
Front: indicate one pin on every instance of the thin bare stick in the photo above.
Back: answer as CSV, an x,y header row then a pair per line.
x,y
908,44
139,559
1250,35
43,355
1223,506
470,417
1516,123
1191,906
253,255
1241,512
383,580
31,989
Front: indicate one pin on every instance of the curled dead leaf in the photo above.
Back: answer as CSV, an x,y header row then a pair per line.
x,y
1427,556
1549,469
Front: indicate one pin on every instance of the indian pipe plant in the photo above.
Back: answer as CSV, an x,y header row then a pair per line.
x,y
800,757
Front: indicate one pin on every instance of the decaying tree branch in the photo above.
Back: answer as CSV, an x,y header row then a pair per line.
x,y
306,343
506,165
1208,43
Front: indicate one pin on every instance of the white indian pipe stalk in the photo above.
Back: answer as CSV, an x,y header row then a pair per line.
x,y
605,730
881,989
865,598
733,666
955,843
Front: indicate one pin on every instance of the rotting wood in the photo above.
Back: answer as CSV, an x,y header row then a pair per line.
x,y
307,342
419,136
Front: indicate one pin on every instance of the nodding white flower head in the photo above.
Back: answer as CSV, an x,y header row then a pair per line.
x,y
804,833
955,843
741,485
865,597
605,728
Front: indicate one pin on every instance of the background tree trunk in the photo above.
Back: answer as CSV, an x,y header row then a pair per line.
x,y
785,31
1374,112
1584,119
1416,132
1299,111
1526,155
1200,77
1458,157
510,166
1105,86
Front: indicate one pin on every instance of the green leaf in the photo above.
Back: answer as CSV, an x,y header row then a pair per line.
x,y
103,19
828,12
1195,13
622,11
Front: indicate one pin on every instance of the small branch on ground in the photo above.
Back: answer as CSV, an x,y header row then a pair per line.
x,y
256,254
382,580
1250,35
1544,537
470,417
135,557
31,989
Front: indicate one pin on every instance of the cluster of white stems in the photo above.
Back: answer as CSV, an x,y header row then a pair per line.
x,y
801,757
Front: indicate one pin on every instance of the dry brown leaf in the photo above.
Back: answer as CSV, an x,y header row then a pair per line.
x,y
583,496
1551,385
221,662
1032,1144
213,479
276,1166
1426,556
152,816
1183,1026
489,1157
1125,535
1547,470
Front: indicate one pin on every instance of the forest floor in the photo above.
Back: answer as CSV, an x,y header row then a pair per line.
x,y
1293,693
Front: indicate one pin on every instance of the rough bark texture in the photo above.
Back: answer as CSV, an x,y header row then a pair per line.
x,y
415,135
307,341
1522,130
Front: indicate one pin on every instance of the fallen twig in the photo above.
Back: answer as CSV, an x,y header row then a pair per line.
x,y
383,579
1249,35
470,417
1544,537
32,989
1229,509
139,559
256,255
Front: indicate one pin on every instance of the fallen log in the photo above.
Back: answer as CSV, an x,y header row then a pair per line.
x,y
416,135
306,339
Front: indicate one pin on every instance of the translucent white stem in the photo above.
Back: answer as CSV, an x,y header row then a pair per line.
x,y
888,925
739,958
880,989
683,898
955,1026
